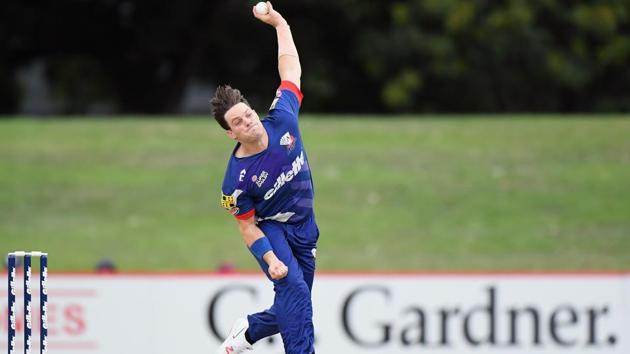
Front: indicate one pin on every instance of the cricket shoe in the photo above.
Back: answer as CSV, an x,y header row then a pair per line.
x,y
235,343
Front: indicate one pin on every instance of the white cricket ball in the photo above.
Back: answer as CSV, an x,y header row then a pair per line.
x,y
262,8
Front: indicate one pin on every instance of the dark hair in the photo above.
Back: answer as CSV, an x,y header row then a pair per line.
x,y
225,97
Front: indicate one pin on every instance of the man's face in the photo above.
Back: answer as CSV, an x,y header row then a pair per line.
x,y
245,125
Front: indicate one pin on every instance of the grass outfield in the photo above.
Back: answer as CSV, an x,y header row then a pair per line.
x,y
439,193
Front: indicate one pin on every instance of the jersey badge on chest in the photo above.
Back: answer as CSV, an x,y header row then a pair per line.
x,y
288,141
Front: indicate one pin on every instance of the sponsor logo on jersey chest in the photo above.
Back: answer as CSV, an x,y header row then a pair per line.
x,y
286,176
259,180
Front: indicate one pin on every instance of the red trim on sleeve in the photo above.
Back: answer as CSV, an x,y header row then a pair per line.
x,y
288,85
247,215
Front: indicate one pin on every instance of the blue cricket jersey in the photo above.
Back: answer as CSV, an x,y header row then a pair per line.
x,y
274,184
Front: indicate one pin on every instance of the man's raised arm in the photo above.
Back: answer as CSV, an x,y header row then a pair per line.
x,y
288,59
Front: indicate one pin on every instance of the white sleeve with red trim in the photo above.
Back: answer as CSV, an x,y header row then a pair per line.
x,y
288,99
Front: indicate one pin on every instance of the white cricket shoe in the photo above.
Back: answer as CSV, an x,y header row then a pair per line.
x,y
235,343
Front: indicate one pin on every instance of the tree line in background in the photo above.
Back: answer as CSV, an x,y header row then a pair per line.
x,y
357,55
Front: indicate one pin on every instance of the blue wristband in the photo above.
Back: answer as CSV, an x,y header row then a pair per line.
x,y
260,247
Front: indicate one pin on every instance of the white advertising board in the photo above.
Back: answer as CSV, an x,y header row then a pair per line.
x,y
354,313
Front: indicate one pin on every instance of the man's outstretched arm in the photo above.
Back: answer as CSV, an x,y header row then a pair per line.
x,y
288,59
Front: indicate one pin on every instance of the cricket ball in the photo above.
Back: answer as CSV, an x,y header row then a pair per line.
x,y
262,8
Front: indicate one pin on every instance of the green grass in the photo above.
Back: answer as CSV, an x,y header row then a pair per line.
x,y
392,193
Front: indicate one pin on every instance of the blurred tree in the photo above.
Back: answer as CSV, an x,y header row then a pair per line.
x,y
511,55
358,56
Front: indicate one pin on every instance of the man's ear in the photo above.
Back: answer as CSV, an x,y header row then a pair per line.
x,y
230,134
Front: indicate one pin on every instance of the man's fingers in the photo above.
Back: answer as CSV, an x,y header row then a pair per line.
x,y
279,272
271,18
282,274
